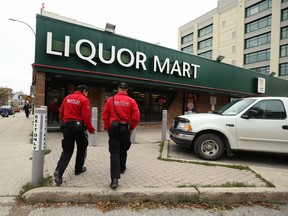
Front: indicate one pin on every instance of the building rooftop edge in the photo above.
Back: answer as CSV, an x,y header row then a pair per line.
x,y
67,19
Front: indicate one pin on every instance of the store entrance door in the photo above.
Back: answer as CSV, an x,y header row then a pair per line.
x,y
53,101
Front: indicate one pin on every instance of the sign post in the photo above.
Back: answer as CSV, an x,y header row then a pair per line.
x,y
39,144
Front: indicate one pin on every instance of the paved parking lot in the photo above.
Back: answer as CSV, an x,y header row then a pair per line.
x,y
273,167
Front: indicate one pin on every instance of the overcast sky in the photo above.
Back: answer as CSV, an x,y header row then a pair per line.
x,y
153,21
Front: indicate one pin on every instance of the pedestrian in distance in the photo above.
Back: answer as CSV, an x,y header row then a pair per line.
x,y
55,112
75,114
27,108
121,116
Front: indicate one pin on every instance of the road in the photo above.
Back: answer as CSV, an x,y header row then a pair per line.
x,y
139,210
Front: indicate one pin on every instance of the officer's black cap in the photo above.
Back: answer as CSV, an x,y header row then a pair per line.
x,y
82,88
123,85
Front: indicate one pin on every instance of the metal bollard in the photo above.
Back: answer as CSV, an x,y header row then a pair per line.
x,y
39,144
164,124
94,119
133,136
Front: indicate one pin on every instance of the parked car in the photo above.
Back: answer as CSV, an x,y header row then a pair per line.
x,y
7,109
249,124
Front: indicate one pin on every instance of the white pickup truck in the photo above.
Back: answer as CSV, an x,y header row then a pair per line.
x,y
249,124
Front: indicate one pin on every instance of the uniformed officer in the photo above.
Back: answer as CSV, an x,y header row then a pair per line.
x,y
76,119
121,116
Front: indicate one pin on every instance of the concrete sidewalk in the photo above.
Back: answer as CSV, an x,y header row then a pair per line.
x,y
149,178
15,153
171,178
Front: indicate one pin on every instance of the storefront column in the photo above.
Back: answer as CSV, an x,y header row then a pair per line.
x,y
39,97
97,99
175,108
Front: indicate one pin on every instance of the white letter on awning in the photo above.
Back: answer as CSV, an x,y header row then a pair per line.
x,y
93,51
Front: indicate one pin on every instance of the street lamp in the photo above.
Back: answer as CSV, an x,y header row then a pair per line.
x,y
24,23
33,89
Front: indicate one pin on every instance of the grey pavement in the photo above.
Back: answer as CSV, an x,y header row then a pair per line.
x,y
15,153
170,175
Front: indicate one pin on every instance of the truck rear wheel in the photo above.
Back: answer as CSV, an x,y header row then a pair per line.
x,y
209,147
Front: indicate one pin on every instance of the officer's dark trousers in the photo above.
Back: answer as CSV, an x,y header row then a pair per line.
x,y
119,144
70,137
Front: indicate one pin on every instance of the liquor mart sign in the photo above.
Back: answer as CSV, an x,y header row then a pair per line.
x,y
135,59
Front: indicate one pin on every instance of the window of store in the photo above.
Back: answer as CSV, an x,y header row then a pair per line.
x,y
55,93
190,103
150,103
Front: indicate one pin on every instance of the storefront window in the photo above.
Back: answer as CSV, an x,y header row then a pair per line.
x,y
190,105
151,103
54,96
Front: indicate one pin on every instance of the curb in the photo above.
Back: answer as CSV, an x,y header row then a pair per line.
x,y
168,195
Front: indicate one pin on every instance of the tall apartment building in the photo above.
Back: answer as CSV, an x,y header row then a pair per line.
x,y
252,34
